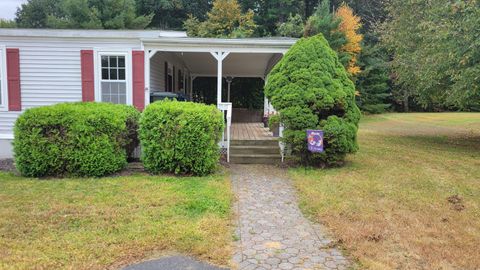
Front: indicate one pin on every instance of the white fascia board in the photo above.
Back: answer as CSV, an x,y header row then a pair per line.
x,y
106,34
225,41
228,74
159,47
214,45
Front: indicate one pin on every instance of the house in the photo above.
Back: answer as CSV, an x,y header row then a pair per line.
x,y
43,66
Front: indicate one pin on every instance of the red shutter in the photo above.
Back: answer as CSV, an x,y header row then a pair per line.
x,y
13,80
138,58
88,77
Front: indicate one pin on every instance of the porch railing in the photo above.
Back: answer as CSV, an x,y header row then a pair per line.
x,y
226,108
281,144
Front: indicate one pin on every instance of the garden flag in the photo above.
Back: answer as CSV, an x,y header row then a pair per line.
x,y
315,140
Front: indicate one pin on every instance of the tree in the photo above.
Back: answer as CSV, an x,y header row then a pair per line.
x,y
350,26
225,19
325,22
371,12
7,23
293,27
436,52
372,82
269,14
87,14
34,13
311,90
170,14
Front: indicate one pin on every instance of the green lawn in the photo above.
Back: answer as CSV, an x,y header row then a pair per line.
x,y
390,207
110,222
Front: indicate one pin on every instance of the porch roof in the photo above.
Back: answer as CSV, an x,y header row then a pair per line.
x,y
247,57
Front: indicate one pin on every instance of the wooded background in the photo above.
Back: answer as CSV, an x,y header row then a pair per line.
x,y
402,55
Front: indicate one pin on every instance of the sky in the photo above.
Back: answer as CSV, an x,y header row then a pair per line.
x,y
9,7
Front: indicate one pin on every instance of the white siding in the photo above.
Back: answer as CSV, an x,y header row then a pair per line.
x,y
157,69
50,70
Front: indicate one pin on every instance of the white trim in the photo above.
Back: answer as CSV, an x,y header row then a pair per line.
x,y
227,74
220,56
4,79
93,33
235,42
6,136
147,76
128,71
161,47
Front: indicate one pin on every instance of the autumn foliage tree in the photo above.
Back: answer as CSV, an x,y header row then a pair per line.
x,y
225,19
350,26
342,31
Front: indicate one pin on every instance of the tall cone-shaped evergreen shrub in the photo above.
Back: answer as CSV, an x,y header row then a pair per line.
x,y
311,90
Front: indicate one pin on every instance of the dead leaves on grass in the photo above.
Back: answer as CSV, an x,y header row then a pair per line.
x,y
457,203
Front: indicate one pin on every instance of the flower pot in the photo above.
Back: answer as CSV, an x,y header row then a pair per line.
x,y
265,121
275,129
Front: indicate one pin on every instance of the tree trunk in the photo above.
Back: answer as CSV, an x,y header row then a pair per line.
x,y
405,102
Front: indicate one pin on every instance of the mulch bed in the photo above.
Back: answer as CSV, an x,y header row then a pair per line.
x,y
7,165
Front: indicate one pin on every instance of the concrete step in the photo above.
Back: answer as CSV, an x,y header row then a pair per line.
x,y
254,142
254,149
135,167
255,159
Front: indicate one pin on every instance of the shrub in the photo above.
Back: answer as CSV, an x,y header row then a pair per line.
x,y
274,122
180,137
311,90
80,139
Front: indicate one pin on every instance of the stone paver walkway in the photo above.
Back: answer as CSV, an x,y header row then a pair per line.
x,y
273,233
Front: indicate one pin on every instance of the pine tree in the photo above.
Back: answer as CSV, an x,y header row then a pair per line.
x,y
82,14
372,82
325,22
293,27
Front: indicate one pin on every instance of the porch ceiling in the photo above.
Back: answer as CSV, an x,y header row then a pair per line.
x,y
235,65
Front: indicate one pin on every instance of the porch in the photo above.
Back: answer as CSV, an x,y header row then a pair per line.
x,y
172,65
250,131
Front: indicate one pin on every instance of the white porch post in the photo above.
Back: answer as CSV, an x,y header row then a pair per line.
x,y
147,77
229,83
191,86
219,56
219,78
228,94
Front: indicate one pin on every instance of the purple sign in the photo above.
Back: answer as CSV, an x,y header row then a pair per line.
x,y
315,140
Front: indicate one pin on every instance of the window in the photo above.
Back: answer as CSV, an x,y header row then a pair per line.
x,y
3,78
113,83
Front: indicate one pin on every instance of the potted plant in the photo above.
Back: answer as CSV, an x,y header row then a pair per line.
x,y
265,121
274,124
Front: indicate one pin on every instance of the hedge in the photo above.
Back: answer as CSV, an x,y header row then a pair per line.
x,y
311,90
180,137
75,139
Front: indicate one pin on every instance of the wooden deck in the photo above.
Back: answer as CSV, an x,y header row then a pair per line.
x,y
250,131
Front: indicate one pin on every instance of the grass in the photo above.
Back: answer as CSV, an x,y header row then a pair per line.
x,y
110,222
410,198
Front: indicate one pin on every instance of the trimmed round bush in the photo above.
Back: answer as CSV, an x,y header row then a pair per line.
x,y
311,90
180,137
75,139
